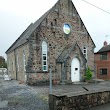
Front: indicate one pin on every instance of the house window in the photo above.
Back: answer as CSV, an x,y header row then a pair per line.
x,y
85,51
44,56
103,56
24,61
17,60
103,71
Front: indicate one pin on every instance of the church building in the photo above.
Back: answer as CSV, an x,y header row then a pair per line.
x,y
58,40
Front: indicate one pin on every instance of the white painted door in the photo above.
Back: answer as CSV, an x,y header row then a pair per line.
x,y
75,70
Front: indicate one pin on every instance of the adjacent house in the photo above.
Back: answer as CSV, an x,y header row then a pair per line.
x,y
102,62
58,40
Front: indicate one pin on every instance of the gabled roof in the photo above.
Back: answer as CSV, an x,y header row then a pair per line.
x,y
104,49
27,33
66,52
31,28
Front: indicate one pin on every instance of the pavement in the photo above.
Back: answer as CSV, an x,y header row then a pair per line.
x,y
16,95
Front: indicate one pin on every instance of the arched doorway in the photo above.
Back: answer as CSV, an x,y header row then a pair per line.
x,y
75,70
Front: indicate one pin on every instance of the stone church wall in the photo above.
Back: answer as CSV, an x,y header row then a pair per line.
x,y
51,31
13,70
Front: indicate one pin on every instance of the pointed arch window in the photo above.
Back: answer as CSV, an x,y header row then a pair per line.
x,y
24,60
17,59
44,56
85,51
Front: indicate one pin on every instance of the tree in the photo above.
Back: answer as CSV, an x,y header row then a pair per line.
x,y
3,64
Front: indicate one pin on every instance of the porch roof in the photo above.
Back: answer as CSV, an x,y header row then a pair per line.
x,y
66,52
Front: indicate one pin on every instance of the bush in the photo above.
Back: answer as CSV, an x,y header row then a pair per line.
x,y
88,75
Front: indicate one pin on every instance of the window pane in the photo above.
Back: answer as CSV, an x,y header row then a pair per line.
x,y
85,55
103,56
44,62
84,47
103,71
84,51
44,68
44,57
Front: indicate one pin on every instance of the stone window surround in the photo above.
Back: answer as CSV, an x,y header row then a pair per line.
x,y
44,56
17,59
24,60
85,51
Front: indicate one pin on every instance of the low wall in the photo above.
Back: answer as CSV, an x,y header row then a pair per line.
x,y
78,101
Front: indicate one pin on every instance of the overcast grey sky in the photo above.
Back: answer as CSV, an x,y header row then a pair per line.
x,y
16,15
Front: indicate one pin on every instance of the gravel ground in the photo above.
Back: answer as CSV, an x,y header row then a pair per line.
x,y
19,96
23,97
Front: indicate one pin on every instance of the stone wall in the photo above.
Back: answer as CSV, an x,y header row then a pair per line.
x,y
51,31
78,101
13,70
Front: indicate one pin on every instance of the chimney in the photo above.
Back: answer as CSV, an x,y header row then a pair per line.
x,y
105,43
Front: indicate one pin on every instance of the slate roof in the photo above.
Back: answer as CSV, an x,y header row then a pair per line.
x,y
104,49
66,52
31,28
27,33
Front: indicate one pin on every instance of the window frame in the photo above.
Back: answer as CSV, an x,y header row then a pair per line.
x,y
102,56
24,60
85,53
44,56
17,59
66,27
102,71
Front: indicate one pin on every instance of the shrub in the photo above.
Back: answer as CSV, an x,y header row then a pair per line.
x,y
88,75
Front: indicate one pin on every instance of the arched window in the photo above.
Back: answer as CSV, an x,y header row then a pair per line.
x,y
24,60
85,51
44,56
17,61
